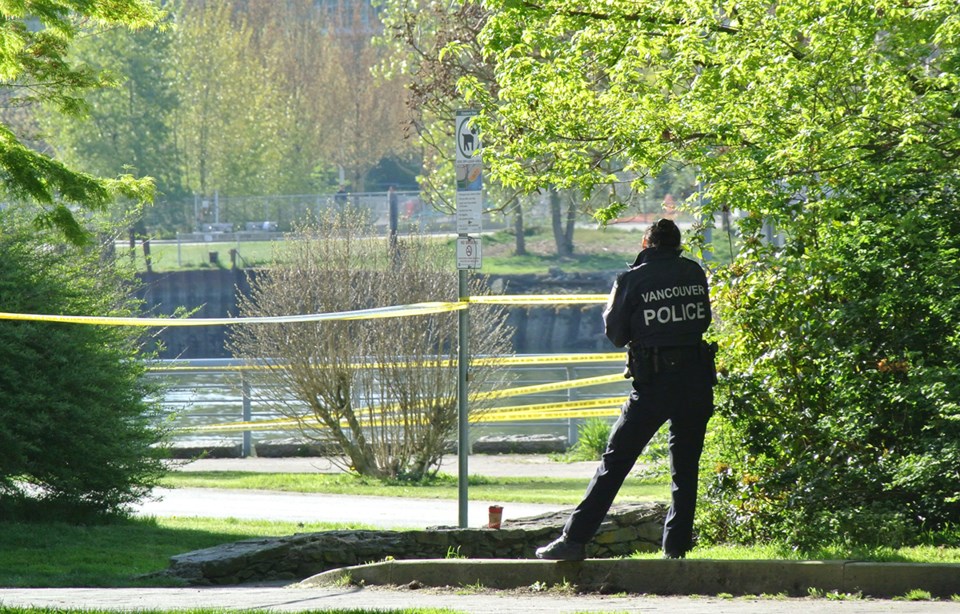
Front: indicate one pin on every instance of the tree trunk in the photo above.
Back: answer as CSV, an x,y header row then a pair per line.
x,y
571,225
562,236
520,247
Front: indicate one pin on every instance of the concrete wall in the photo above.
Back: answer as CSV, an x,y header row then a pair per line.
x,y
214,293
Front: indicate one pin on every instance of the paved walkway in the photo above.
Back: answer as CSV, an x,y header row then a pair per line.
x,y
469,602
380,512
490,465
384,512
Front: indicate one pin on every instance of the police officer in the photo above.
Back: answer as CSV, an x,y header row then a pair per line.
x,y
660,309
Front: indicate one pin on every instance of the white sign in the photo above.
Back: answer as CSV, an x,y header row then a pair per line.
x,y
469,212
468,137
468,253
469,171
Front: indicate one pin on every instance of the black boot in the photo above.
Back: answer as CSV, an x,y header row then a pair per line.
x,y
562,549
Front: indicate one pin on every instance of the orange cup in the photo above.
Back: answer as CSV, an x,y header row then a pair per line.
x,y
495,516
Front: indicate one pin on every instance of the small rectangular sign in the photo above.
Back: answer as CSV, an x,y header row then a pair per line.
x,y
468,253
469,212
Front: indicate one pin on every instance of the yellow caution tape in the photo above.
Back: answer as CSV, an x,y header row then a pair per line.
x,y
506,361
233,427
552,386
570,409
283,423
543,359
198,369
415,309
558,406
539,299
551,415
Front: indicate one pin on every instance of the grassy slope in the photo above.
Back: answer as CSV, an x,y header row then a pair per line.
x,y
50,554
59,555
519,490
595,250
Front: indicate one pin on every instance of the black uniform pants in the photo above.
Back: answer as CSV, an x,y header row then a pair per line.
x,y
684,397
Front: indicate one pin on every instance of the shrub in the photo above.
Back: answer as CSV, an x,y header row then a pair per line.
x,y
592,436
839,413
76,435
383,391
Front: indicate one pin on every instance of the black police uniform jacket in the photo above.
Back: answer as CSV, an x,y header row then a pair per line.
x,y
661,301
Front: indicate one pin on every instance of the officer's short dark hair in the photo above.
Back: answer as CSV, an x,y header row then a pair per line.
x,y
662,234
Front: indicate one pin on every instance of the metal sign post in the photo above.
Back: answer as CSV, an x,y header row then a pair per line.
x,y
469,170
463,423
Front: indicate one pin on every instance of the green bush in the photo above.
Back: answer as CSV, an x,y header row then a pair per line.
x,y
839,405
592,436
76,435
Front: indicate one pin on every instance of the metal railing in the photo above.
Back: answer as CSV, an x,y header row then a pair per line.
x,y
254,217
209,391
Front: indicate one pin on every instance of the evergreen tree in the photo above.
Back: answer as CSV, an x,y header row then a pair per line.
x,y
77,435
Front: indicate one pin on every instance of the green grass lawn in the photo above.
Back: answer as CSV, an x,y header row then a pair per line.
x,y
61,555
905,554
172,257
560,491
116,555
595,250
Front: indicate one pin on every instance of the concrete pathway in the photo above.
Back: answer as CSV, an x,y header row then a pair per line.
x,y
381,512
281,599
490,465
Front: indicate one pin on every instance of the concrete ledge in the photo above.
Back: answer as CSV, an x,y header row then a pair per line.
x,y
663,577
894,579
520,444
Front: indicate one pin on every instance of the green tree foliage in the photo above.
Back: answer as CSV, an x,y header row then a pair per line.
x,y
838,122
224,125
764,100
129,128
35,39
278,97
435,44
841,404
288,41
76,433
364,113
438,45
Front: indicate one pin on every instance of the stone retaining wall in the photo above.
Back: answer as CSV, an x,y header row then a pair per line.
x,y
628,528
520,444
